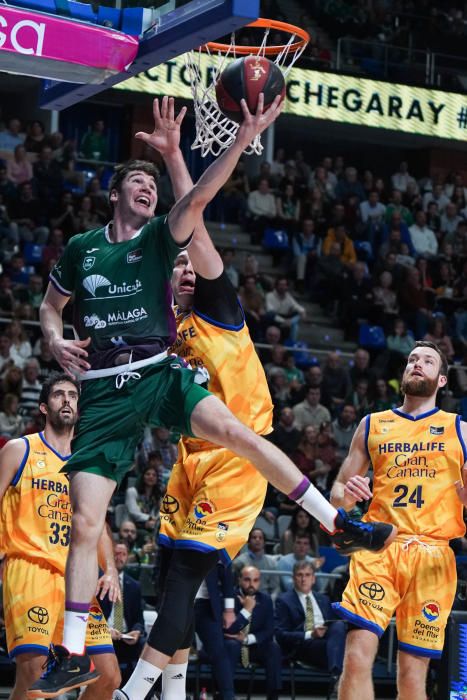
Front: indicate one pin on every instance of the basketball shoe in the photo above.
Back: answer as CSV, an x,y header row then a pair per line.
x,y
352,535
64,672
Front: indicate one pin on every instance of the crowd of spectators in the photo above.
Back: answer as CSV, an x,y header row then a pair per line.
x,y
373,249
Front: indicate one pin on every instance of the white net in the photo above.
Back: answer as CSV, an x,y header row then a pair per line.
x,y
215,131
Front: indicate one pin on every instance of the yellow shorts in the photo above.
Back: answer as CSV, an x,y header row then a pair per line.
x,y
34,602
416,581
213,499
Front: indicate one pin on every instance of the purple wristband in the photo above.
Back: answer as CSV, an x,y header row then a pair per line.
x,y
300,489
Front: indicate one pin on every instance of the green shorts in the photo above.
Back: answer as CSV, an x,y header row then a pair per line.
x,y
112,420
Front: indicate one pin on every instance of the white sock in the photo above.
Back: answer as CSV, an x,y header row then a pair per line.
x,y
74,631
316,505
141,680
174,682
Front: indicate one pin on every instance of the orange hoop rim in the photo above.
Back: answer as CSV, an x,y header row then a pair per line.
x,y
268,50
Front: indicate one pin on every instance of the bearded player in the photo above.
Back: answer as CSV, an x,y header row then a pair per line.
x,y
35,526
418,454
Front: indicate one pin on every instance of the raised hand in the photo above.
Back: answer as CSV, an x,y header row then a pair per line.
x,y
357,489
166,135
254,124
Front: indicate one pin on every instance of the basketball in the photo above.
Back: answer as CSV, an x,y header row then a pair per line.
x,y
245,78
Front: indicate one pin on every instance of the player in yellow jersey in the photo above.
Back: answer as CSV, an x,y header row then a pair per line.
x,y
418,455
213,495
35,527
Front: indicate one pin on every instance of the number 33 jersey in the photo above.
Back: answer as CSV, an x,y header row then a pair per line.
x,y
35,515
416,462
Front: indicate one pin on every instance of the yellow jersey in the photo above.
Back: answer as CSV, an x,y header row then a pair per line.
x,y
236,375
416,462
35,512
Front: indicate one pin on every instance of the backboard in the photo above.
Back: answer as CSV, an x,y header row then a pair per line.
x,y
177,27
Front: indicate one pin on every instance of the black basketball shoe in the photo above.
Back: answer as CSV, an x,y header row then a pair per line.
x,y
352,535
64,672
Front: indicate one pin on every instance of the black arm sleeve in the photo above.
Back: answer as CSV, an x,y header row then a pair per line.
x,y
217,299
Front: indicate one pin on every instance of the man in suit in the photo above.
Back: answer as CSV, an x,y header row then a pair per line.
x,y
304,626
251,637
125,619
214,611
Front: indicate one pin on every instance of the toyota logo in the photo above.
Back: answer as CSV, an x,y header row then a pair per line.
x,y
38,615
170,504
372,590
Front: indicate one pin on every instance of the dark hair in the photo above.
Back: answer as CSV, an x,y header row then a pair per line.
x,y
156,492
123,169
442,357
253,530
56,378
123,543
293,525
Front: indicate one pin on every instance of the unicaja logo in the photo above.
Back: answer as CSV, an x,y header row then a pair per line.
x,y
92,282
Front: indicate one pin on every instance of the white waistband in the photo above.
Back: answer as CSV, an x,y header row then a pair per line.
x,y
120,369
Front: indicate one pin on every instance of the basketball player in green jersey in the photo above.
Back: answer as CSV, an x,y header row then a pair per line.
x,y
120,276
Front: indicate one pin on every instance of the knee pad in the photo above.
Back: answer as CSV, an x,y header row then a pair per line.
x,y
186,571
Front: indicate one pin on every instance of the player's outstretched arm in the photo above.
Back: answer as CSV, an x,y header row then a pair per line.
x,y
70,354
11,457
351,484
187,212
166,139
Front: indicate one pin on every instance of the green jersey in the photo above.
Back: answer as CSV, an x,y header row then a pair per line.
x,y
122,292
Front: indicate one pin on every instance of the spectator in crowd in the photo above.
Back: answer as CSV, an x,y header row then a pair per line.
x,y
20,349
48,178
305,457
360,399
28,213
252,299
372,211
306,248
143,500
396,206
385,300
128,534
36,137
228,257
7,188
336,382
357,301
235,193
19,168
12,424
63,215
250,638
94,145
327,284
214,613
54,248
255,555
286,435
384,396
288,209
350,186
301,552
339,235
311,411
437,334
47,362
437,195
12,380
162,443
415,302
450,219
343,429
5,357
400,340
401,179
304,624
300,523
7,298
277,165
11,137
30,388
423,239
287,311
262,210
86,217
125,617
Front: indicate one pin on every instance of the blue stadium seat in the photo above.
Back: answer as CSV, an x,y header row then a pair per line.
x,y
41,5
332,559
109,17
302,359
132,20
32,253
82,11
371,337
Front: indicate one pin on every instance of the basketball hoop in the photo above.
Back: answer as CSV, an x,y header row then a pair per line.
x,y
214,131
